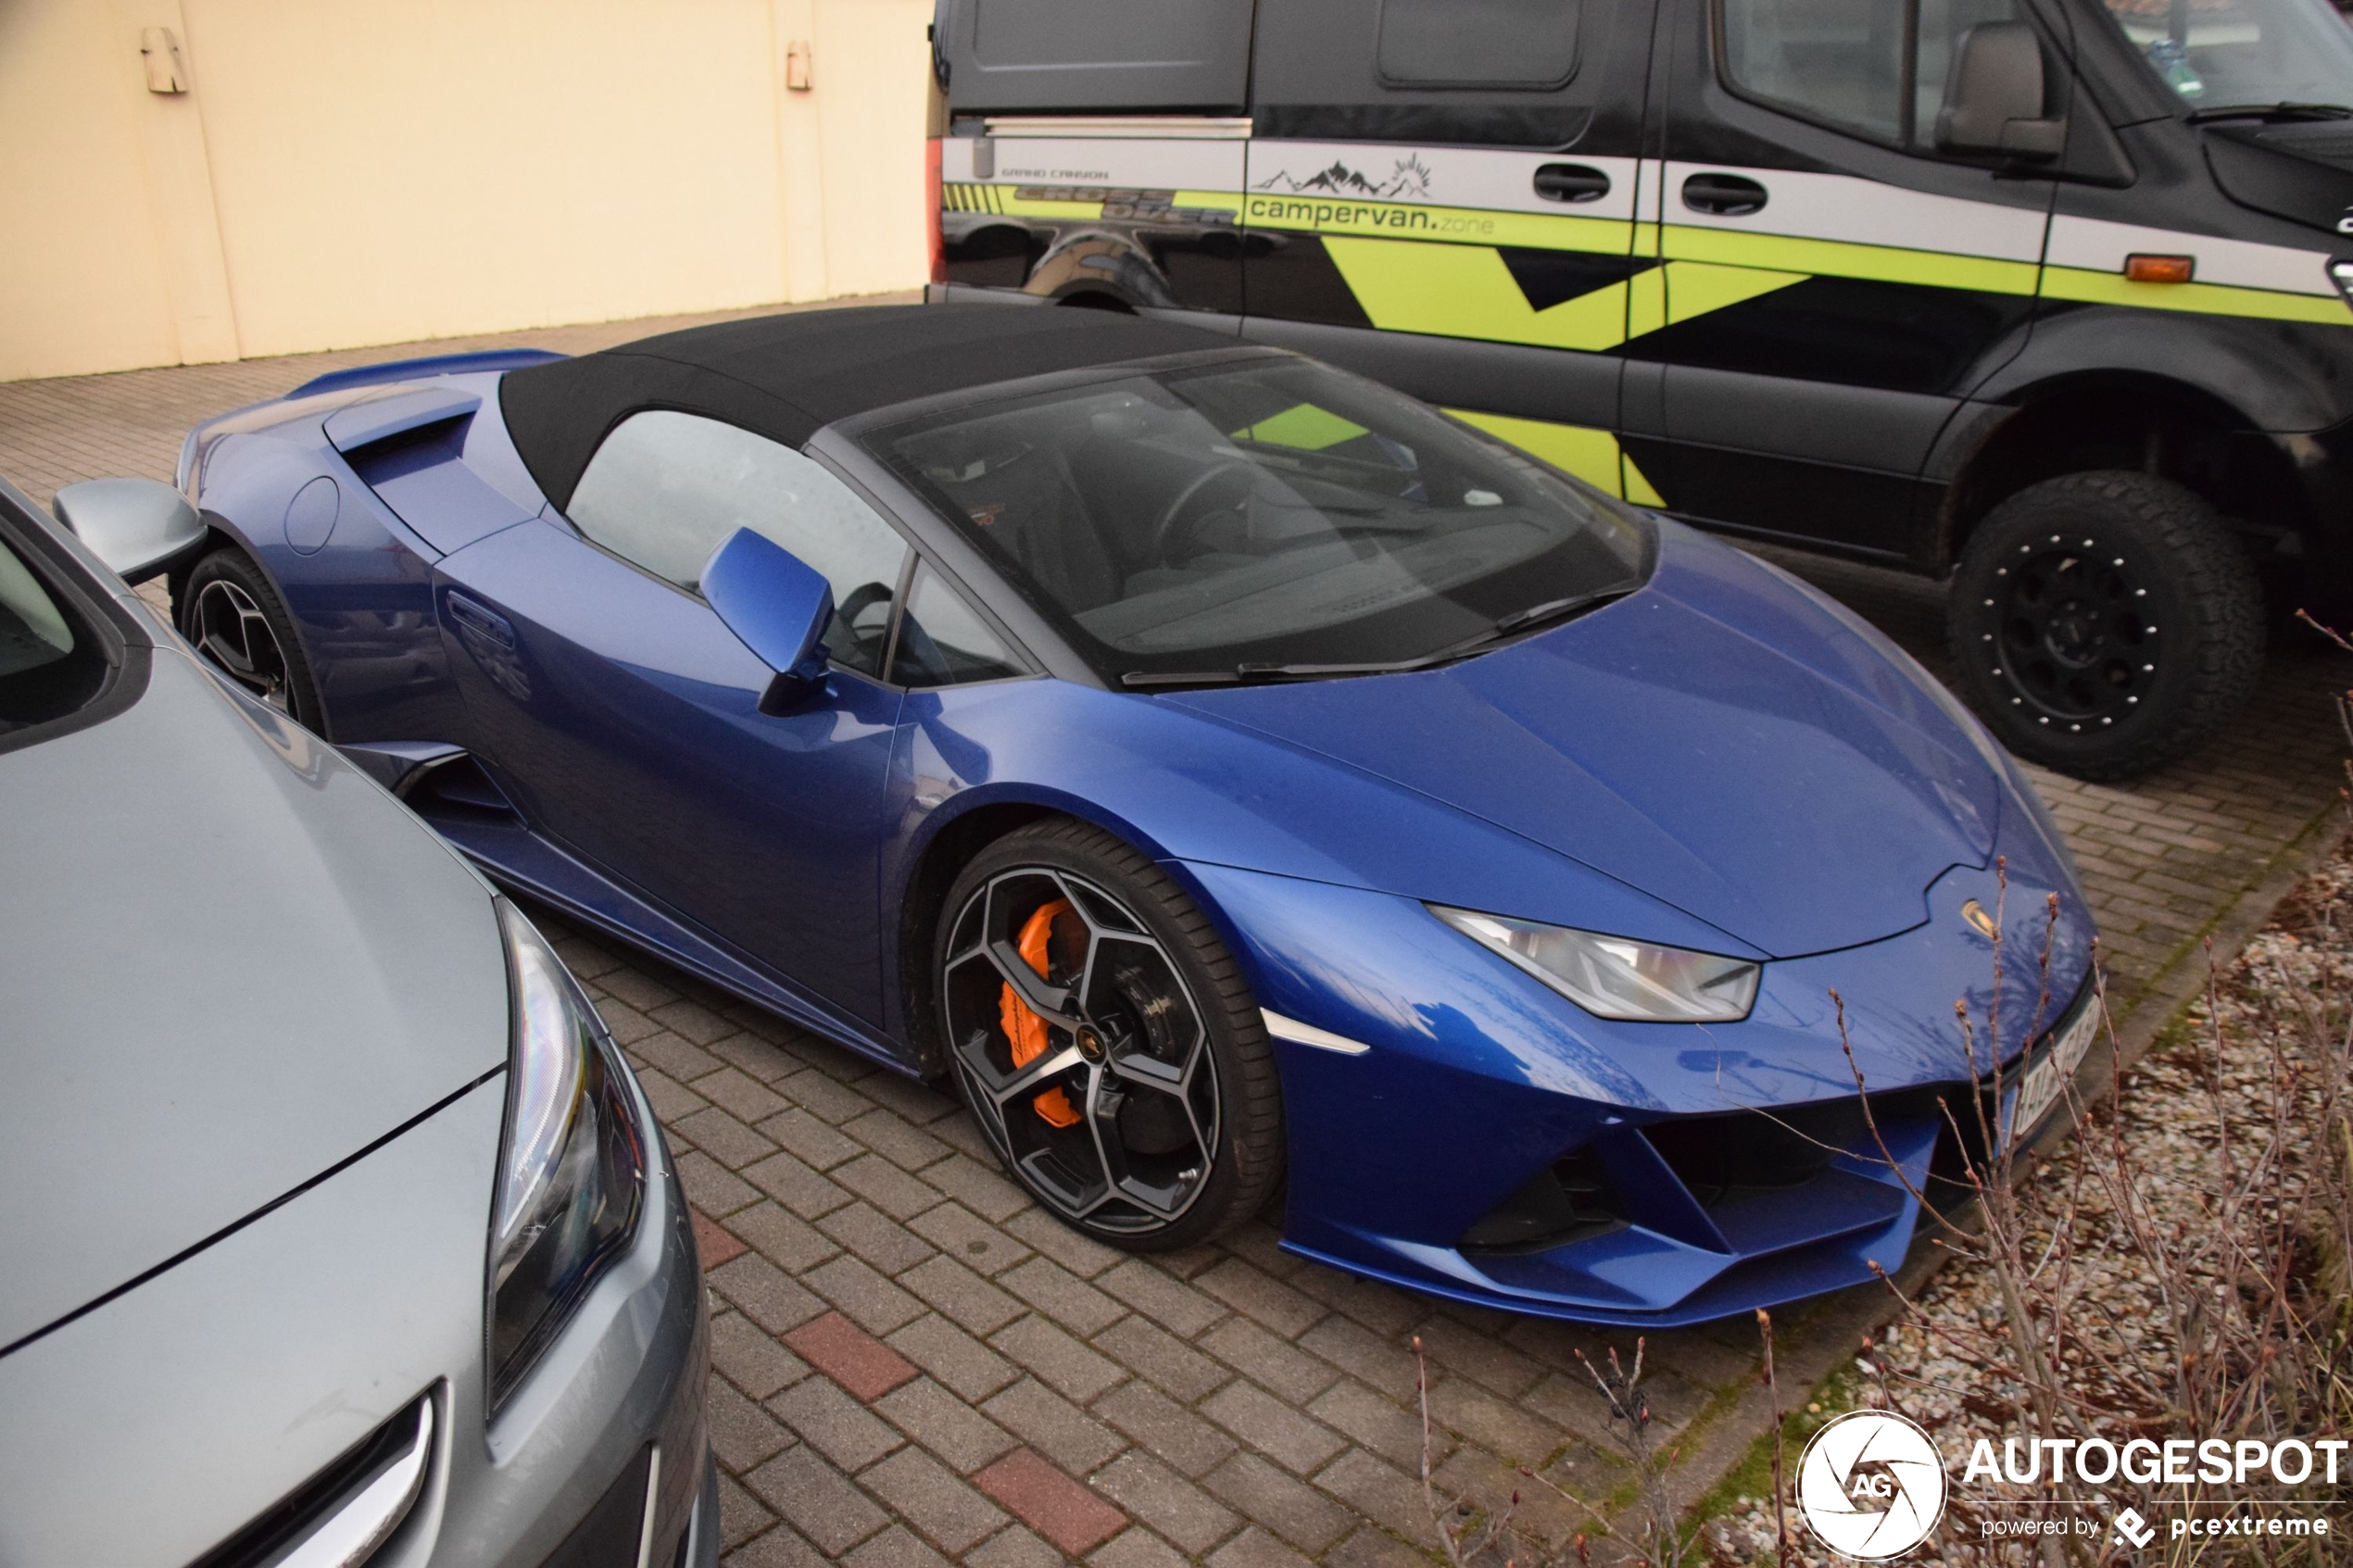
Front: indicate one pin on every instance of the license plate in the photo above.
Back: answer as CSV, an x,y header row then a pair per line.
x,y
2038,1090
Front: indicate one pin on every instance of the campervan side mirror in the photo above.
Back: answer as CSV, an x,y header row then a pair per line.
x,y
1993,97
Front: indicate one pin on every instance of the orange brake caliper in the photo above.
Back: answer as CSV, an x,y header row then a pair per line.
x,y
1024,1028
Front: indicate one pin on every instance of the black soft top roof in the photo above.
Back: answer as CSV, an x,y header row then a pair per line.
x,y
788,377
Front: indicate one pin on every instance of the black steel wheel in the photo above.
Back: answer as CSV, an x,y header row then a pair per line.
x,y
233,614
1106,1041
2106,623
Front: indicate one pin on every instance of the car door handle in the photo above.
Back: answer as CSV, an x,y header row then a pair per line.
x,y
474,618
1727,195
1571,182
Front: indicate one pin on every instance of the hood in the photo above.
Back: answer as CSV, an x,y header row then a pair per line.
x,y
2302,172
228,962
1723,740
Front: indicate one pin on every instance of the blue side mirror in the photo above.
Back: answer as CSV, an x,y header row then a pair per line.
x,y
779,605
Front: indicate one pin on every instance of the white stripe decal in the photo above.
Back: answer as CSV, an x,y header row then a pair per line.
x,y
1858,211
1471,177
1300,1033
1179,164
2096,245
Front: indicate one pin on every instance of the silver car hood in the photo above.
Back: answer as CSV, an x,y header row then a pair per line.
x,y
229,963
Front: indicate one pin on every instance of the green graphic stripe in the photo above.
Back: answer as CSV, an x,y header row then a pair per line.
x,y
2204,299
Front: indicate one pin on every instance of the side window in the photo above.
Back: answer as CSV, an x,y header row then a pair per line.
x,y
1523,44
943,640
666,489
1846,61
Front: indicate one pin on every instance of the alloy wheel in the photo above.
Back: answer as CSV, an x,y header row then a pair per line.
x,y
1082,1050
232,631
2075,639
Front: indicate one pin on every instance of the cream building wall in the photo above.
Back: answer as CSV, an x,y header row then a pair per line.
x,y
347,172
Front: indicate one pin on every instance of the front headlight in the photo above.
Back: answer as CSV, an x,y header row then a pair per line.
x,y
571,1168
1614,977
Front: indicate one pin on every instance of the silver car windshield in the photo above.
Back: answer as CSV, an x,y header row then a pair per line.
x,y
2244,54
1263,517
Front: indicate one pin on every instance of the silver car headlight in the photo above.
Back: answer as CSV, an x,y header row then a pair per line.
x,y
1615,976
571,1165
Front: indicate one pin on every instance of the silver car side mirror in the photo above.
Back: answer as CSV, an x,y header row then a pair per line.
x,y
137,526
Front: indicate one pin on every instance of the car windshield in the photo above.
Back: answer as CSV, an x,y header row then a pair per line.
x,y
2244,54
49,665
1270,519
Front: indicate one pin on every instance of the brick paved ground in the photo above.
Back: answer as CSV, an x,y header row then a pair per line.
x,y
914,1364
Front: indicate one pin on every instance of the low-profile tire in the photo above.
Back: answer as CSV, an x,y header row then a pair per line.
x,y
2106,623
1149,1117
231,614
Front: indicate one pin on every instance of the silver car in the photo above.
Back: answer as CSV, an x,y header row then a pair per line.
x,y
335,1228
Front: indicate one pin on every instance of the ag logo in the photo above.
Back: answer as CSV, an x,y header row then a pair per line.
x,y
1871,1485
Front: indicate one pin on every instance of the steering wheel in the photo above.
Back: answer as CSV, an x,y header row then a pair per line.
x,y
1202,483
860,600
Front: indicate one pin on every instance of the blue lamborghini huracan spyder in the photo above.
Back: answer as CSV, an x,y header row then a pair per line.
x,y
1232,773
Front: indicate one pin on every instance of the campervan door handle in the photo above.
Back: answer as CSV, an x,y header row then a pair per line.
x,y
1571,182
1727,195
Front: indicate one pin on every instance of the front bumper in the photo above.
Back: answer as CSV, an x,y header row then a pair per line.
x,y
1499,1146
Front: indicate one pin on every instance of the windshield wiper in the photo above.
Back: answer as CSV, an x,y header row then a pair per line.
x,y
1245,675
2270,111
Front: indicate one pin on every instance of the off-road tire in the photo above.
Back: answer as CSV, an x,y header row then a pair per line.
x,y
1247,1165
2106,623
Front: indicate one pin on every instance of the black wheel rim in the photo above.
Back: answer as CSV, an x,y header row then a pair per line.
x,y
1124,1048
230,629
2072,637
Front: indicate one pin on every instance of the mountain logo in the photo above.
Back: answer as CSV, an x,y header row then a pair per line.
x,y
1407,181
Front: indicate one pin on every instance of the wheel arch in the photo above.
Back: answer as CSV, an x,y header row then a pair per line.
x,y
2143,422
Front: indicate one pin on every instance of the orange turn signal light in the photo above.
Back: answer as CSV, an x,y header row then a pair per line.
x,y
2159,269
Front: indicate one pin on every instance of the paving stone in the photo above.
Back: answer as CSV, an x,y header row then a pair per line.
x,y
1387,1495
851,1356
1065,1362
1392,1431
1073,1251
895,1547
779,1546
1498,1367
1478,1415
1063,1295
885,1187
782,1236
712,1187
1136,1548
758,1059
1161,1426
762,1293
814,1142
1153,1493
1255,1548
683,1062
852,1285
741,1516
1050,1502
823,1094
742,1434
1273,1428
1251,1291
1053,1426
1018,1545
1369,1545
814,1498
738,1093
979,1188
968,1238
714,1243
671,1100
1159,1356
891,1136
890,1246
1166,1301
929,1495
1354,1350
944,1423
691,1021
750,1357
835,1425
1248,1348
958,1359
639,989
962,1294
795,1186
1290,1507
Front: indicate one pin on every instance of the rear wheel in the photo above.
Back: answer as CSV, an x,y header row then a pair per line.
x,y
2106,623
231,612
1106,1040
